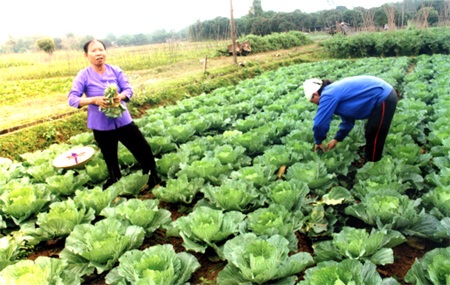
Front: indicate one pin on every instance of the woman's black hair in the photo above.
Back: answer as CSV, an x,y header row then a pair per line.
x,y
325,82
86,45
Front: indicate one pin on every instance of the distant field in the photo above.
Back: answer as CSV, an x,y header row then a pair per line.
x,y
39,65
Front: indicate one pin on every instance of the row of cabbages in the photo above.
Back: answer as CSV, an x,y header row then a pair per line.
x,y
229,145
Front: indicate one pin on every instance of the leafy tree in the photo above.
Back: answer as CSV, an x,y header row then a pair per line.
x,y
256,9
110,39
141,39
125,40
380,17
58,43
46,44
430,14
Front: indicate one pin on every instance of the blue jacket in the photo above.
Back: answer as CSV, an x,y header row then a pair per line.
x,y
352,98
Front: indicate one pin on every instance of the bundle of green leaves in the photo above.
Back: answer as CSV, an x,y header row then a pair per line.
x,y
115,110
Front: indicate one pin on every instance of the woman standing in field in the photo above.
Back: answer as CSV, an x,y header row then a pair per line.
x,y
108,132
353,98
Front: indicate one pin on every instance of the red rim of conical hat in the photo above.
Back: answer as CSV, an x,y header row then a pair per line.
x,y
74,158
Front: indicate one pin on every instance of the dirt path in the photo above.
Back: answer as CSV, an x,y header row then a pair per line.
x,y
35,110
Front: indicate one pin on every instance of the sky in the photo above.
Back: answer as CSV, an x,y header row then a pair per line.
x,y
56,18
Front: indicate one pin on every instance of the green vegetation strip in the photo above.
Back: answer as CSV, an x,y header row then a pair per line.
x,y
14,92
42,136
398,43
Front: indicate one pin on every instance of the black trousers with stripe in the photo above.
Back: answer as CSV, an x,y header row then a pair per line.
x,y
378,125
131,137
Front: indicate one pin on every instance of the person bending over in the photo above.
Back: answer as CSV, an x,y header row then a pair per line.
x,y
353,98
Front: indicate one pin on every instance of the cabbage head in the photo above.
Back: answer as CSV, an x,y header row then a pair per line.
x,y
67,184
179,190
258,174
291,194
209,168
145,214
158,265
95,198
437,201
233,195
257,260
59,221
21,203
358,244
205,227
131,184
274,220
395,211
44,270
313,173
234,158
348,271
9,251
432,268
99,246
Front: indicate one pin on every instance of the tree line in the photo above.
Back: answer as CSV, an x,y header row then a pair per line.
x,y
72,41
260,22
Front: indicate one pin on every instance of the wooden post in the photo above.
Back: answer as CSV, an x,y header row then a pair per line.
x,y
204,66
403,13
233,34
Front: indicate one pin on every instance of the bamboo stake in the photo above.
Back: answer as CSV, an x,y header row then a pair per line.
x,y
233,34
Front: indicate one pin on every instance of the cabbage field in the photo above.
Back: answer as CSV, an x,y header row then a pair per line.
x,y
245,198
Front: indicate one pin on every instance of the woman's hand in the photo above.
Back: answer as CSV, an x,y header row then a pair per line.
x,y
100,101
332,144
321,146
120,97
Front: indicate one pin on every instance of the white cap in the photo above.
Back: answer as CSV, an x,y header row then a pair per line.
x,y
342,23
311,86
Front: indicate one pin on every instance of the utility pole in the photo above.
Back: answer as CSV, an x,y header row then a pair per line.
x,y
233,34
